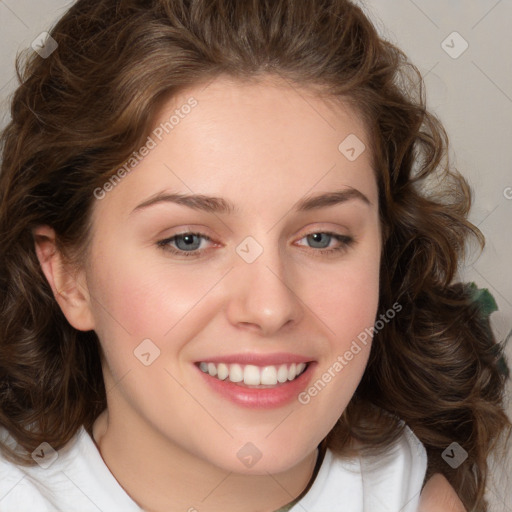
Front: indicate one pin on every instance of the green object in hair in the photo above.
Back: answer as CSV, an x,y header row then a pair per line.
x,y
485,299
488,305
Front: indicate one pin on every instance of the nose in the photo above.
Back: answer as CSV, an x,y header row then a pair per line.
x,y
263,295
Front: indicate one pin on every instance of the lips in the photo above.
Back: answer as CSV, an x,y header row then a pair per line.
x,y
257,381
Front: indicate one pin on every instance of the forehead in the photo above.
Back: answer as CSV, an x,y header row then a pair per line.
x,y
271,106
258,141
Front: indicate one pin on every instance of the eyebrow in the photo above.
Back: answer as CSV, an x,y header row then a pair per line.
x,y
212,204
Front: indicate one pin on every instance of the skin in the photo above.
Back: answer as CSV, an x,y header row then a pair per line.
x,y
165,429
439,496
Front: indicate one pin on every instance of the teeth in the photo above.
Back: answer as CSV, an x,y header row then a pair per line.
x,y
269,375
222,371
212,369
252,375
236,373
282,373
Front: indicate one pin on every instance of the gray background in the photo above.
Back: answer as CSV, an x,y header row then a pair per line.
x,y
470,92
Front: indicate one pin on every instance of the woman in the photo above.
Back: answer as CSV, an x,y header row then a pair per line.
x,y
226,284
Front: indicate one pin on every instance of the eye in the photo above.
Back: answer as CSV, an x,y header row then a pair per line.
x,y
187,244
322,240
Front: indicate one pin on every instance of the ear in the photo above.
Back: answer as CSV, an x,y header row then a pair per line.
x,y
68,285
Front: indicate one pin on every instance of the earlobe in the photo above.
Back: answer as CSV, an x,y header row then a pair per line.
x,y
68,286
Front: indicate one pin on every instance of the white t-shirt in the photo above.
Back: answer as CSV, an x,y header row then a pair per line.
x,y
78,480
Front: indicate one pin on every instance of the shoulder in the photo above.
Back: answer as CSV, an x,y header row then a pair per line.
x,y
21,486
393,476
439,496
72,478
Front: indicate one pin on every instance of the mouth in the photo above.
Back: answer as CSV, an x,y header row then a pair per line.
x,y
257,382
250,375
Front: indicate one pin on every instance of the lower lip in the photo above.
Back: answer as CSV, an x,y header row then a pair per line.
x,y
261,398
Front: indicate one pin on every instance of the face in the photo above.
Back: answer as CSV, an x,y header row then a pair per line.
x,y
232,320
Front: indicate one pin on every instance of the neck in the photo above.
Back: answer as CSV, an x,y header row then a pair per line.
x,y
179,481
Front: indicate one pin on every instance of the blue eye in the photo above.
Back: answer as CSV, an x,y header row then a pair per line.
x,y
189,244
186,243
322,240
316,238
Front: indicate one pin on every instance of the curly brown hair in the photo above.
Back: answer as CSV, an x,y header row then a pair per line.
x,y
79,114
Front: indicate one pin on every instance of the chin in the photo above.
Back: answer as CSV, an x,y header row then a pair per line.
x,y
262,458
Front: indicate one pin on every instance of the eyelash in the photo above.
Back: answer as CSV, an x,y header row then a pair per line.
x,y
345,241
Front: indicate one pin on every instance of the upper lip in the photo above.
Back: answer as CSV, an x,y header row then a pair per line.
x,y
258,359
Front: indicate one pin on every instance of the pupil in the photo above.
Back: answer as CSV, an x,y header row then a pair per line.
x,y
186,242
316,238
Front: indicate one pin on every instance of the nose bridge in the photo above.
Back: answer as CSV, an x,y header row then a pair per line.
x,y
262,295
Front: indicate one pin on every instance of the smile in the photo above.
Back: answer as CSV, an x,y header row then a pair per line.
x,y
252,375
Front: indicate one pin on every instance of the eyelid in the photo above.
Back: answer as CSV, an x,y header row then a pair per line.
x,y
320,227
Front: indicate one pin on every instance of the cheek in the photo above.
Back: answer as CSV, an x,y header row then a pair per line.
x,y
139,299
347,304
347,298
144,298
